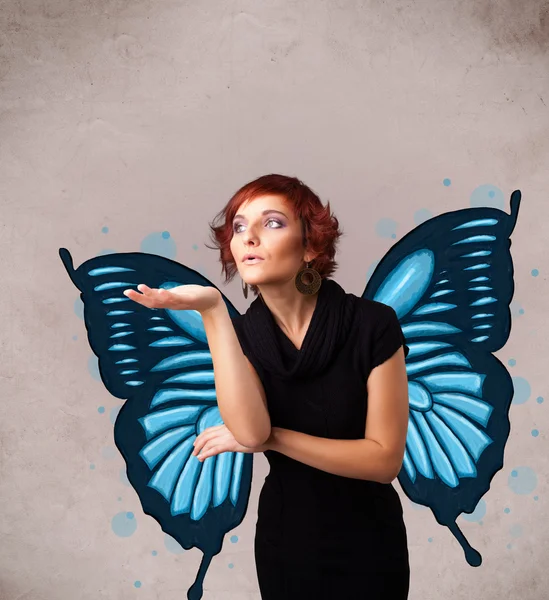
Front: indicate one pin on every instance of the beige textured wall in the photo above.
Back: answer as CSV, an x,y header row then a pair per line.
x,y
121,120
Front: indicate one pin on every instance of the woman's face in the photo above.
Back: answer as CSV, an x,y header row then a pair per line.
x,y
266,228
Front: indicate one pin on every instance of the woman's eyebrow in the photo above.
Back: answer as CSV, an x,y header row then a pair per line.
x,y
265,212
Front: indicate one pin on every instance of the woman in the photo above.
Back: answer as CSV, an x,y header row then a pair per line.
x,y
315,378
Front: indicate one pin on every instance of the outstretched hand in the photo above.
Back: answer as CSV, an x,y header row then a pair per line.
x,y
183,297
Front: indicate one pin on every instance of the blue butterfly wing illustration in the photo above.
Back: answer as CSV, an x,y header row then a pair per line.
x,y
450,281
159,361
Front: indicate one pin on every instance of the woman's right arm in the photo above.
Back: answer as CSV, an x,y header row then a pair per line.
x,y
240,394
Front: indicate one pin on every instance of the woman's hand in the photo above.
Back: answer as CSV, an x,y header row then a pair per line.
x,y
215,440
183,297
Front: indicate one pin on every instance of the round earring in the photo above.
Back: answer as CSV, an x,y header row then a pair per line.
x,y
308,280
245,289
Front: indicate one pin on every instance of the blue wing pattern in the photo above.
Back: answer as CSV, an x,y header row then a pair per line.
x,y
450,281
159,361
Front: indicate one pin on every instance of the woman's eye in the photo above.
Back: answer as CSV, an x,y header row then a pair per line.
x,y
278,223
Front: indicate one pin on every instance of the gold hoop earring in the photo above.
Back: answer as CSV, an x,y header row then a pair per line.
x,y
308,281
245,289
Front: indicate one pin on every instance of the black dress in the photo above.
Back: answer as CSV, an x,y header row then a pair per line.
x,y
322,536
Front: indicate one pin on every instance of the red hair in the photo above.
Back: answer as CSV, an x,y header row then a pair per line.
x,y
320,227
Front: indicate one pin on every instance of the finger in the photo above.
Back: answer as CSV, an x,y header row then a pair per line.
x,y
213,451
139,298
207,434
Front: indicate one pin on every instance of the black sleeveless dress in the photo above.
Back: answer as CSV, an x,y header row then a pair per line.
x,y
321,536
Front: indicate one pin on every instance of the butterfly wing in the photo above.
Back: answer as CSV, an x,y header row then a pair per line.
x,y
160,362
450,282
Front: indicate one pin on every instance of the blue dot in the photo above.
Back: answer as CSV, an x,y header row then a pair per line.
x,y
522,390
92,466
512,362
161,244
506,510
509,546
422,215
137,584
521,311
101,410
487,195
79,308
172,545
195,246
114,413
523,480
74,337
536,498
93,367
154,553
123,525
477,514
535,272
535,433
234,539
539,400
386,228
105,230
130,515
231,566
446,182
516,531
430,540
119,499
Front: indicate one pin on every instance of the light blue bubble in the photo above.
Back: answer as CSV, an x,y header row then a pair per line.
x,y
106,251
234,539
515,531
74,337
386,228
109,453
158,243
535,432
172,545
516,308
506,510
92,466
119,499
430,540
79,308
101,410
539,400
124,477
137,584
105,230
478,514
123,525
522,390
535,272
536,498
522,480
231,566
422,215
509,546
195,246
114,413
371,269
154,553
521,311
487,195
446,182
512,362
93,367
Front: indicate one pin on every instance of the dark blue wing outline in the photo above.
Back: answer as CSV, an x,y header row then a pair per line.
x,y
159,361
450,281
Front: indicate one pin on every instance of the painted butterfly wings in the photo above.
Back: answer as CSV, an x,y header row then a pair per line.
x,y
160,362
450,282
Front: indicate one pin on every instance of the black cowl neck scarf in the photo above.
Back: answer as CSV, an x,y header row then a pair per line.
x,y
329,328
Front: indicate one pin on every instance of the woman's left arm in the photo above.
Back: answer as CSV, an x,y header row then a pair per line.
x,y
377,457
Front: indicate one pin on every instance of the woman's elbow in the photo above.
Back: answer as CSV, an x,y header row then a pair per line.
x,y
253,439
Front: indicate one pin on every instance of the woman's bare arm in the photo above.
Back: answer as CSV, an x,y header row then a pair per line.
x,y
240,393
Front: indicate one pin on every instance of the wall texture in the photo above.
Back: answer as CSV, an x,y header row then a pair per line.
x,y
125,126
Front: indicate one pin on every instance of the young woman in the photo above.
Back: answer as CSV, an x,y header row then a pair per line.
x,y
315,378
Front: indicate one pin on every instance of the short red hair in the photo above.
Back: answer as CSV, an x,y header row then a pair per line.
x,y
321,230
